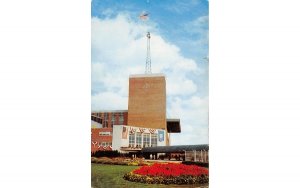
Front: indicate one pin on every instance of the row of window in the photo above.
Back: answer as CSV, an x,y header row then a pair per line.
x,y
142,140
113,119
106,124
106,144
113,116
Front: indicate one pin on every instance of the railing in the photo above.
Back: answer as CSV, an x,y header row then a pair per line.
x,y
201,156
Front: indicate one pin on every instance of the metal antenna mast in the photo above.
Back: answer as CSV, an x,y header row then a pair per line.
x,y
148,59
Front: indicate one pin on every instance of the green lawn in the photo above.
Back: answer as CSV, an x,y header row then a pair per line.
x,y
111,176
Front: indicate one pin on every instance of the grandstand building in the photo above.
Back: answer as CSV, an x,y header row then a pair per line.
x,y
143,125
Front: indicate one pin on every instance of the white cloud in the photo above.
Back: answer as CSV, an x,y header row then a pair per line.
x,y
199,135
119,49
193,113
109,101
199,26
107,12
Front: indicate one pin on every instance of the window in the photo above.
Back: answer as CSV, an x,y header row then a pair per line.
x,y
105,143
138,139
154,140
112,119
121,119
105,124
146,140
131,140
105,120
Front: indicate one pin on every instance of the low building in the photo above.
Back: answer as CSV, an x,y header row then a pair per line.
x,y
112,135
102,128
132,139
180,152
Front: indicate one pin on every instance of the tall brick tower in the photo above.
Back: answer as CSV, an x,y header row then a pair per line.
x,y
147,98
147,101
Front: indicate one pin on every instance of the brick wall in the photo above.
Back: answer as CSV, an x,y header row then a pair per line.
x,y
147,101
96,138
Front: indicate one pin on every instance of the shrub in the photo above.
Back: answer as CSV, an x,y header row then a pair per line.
x,y
196,163
106,160
162,180
133,163
94,159
121,163
101,153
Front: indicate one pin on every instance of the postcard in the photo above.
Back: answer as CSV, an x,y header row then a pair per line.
x,y
149,108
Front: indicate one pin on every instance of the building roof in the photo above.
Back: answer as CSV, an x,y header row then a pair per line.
x,y
95,124
112,111
173,126
96,119
174,149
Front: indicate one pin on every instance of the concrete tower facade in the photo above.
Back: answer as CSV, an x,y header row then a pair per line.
x,y
147,101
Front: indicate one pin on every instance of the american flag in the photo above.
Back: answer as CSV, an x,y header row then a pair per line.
x,y
124,133
144,16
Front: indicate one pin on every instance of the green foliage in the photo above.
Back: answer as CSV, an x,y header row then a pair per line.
x,y
94,159
133,163
180,180
119,161
101,153
196,163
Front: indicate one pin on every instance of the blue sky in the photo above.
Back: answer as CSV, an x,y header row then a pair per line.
x,y
179,48
171,16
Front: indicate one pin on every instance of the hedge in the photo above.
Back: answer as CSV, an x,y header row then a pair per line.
x,y
163,180
100,153
196,163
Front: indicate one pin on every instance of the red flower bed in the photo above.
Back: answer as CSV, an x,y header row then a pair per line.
x,y
171,170
170,173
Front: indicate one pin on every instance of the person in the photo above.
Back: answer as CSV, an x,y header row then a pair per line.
x,y
151,156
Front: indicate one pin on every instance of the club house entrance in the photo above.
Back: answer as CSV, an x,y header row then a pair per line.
x,y
180,153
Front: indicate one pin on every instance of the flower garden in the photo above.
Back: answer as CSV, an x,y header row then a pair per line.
x,y
158,173
169,173
120,161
